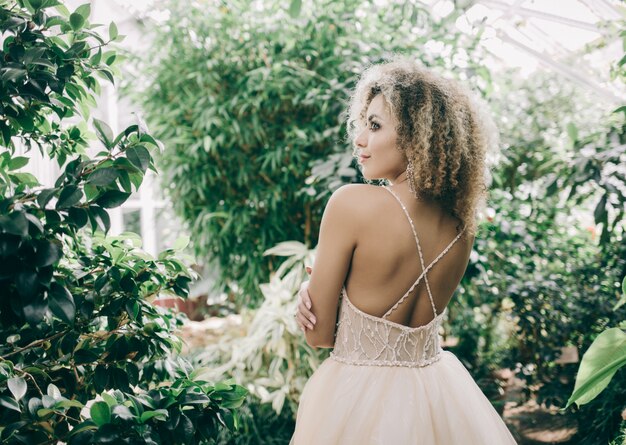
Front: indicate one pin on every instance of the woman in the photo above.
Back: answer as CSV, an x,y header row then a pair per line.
x,y
388,262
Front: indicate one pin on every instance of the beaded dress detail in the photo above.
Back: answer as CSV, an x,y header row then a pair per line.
x,y
387,383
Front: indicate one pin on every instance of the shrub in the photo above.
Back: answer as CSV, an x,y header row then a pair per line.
x,y
270,357
84,355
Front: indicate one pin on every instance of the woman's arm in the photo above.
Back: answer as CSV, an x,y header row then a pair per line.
x,y
337,241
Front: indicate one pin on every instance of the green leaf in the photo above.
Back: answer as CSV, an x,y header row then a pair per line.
x,y
113,31
17,386
109,399
76,21
16,224
45,196
106,73
101,378
85,426
9,403
27,179
84,10
34,404
604,357
17,162
78,216
69,404
104,133
100,413
159,414
600,210
99,217
294,8
47,253
61,303
181,242
103,176
12,74
85,356
70,195
572,131
53,391
45,413
139,156
112,198
97,57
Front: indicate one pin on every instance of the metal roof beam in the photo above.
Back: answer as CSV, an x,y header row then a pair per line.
x,y
525,12
561,68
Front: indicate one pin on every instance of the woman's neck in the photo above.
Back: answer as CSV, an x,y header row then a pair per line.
x,y
402,177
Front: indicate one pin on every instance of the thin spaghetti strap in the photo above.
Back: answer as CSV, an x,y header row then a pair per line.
x,y
424,269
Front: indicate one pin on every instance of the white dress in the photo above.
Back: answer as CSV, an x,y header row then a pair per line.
x,y
389,384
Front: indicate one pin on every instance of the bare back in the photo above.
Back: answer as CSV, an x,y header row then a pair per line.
x,y
385,262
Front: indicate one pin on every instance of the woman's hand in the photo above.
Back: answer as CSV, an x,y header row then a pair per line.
x,y
304,317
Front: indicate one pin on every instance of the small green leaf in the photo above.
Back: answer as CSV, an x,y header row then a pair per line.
x,y
97,57
181,242
17,162
159,414
61,303
78,216
47,253
85,356
113,31
103,176
101,378
16,223
139,156
45,196
12,74
34,404
17,386
100,413
99,218
600,210
53,391
112,198
9,403
76,21
70,195
85,426
45,413
294,8
69,404
572,131
104,133
84,10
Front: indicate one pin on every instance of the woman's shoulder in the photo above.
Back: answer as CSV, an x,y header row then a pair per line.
x,y
357,191
357,197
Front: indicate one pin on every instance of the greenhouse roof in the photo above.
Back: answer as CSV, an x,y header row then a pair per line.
x,y
579,39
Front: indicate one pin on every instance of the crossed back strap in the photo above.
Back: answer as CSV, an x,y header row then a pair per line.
x,y
424,269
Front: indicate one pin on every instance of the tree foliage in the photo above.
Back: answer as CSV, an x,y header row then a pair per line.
x,y
84,355
250,106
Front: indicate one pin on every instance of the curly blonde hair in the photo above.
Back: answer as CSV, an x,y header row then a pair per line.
x,y
442,129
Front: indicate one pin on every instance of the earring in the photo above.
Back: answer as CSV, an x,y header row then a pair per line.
x,y
410,174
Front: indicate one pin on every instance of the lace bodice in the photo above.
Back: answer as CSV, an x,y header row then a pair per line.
x,y
364,339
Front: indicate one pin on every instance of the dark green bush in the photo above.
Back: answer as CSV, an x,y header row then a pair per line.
x,y
84,355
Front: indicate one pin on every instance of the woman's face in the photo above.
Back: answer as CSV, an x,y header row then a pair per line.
x,y
376,144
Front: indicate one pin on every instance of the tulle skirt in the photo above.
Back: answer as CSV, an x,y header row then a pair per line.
x,y
439,404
